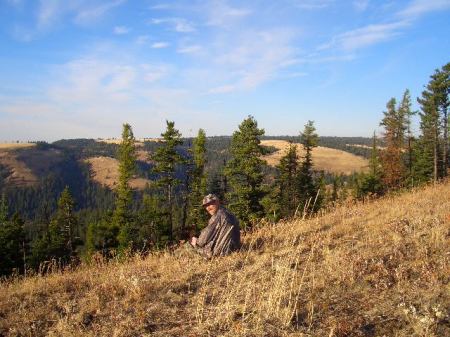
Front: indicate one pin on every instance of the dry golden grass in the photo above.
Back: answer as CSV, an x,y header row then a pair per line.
x,y
374,269
21,174
324,158
13,146
105,171
138,142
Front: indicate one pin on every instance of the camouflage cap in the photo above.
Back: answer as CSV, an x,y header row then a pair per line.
x,y
210,198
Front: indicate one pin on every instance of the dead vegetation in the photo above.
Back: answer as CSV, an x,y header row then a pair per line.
x,y
324,158
379,268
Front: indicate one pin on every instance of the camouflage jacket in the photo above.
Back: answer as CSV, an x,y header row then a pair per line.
x,y
221,236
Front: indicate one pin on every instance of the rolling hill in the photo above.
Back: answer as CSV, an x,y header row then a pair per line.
x,y
324,158
377,268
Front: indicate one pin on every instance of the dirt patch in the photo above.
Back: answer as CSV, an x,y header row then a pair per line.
x,y
324,158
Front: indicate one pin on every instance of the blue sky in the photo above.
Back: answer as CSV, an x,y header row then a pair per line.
x,y
81,68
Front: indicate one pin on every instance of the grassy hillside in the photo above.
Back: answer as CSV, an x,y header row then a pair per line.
x,y
373,269
324,158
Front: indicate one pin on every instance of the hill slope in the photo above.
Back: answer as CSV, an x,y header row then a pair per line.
x,y
324,158
373,269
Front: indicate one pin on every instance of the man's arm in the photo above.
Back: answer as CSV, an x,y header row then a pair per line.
x,y
205,236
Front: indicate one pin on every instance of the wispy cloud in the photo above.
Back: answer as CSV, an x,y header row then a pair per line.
x,y
220,13
417,8
153,73
121,30
160,45
361,5
142,39
365,36
255,58
312,4
189,49
87,15
177,24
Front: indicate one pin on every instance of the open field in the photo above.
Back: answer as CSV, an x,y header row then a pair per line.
x,y
12,146
139,142
378,268
324,158
105,171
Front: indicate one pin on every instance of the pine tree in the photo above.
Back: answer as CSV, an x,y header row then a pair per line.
x,y
65,220
288,196
407,113
197,214
394,123
306,186
371,183
12,245
429,156
122,216
58,240
166,159
245,172
3,209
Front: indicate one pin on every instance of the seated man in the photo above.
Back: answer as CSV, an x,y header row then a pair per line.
x,y
222,235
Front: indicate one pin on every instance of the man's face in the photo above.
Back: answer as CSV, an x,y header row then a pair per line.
x,y
212,207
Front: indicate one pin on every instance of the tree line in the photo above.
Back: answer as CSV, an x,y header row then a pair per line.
x,y
169,209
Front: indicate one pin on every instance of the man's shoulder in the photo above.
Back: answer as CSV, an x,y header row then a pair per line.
x,y
226,214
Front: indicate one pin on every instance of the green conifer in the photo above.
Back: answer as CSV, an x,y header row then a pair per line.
x,y
245,172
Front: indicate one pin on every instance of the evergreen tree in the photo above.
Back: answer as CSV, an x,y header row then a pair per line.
x,y
197,214
371,183
65,220
102,236
306,186
245,172
12,244
122,216
166,159
394,123
58,240
407,113
429,155
288,194
3,209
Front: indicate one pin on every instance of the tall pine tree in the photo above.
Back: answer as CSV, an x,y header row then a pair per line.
x,y
394,123
307,189
245,172
288,194
122,216
166,159
197,214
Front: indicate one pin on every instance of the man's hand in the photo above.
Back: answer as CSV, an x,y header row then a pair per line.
x,y
194,241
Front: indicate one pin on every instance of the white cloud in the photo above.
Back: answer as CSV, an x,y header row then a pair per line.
x,y
365,36
254,58
189,49
152,73
142,39
121,30
420,7
160,45
311,4
87,15
221,14
179,25
361,5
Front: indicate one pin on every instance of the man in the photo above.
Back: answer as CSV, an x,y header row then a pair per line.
x,y
222,235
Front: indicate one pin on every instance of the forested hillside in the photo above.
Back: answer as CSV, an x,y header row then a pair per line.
x,y
58,203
